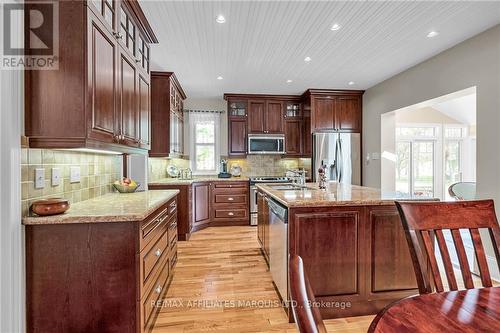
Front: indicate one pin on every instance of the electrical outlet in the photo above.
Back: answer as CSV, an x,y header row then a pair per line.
x,y
56,176
39,178
74,174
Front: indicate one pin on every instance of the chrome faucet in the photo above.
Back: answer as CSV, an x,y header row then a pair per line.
x,y
299,176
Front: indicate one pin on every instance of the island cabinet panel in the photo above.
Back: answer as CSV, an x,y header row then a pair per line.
x,y
184,207
99,276
333,253
94,91
354,255
391,268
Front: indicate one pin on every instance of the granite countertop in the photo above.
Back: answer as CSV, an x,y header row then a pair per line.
x,y
178,181
335,195
112,207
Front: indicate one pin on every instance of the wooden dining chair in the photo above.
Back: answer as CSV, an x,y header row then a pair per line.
x,y
425,221
307,318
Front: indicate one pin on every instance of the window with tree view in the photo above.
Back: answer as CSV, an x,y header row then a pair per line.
x,y
204,146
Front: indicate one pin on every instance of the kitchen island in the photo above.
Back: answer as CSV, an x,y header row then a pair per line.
x,y
350,239
101,266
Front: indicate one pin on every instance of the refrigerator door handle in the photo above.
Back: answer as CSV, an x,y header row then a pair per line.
x,y
341,161
337,164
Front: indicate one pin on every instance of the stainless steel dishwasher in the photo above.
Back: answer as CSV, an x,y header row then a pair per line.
x,y
278,247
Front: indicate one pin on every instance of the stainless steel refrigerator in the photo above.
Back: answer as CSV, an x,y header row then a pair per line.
x,y
341,153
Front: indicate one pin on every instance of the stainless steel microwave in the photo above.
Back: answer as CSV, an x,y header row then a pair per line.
x,y
266,144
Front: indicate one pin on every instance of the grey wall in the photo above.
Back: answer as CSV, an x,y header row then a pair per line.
x,y
474,62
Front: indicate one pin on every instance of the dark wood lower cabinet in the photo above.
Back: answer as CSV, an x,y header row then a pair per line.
x,y
201,205
99,276
356,257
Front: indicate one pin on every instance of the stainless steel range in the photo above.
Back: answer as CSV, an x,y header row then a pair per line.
x,y
253,193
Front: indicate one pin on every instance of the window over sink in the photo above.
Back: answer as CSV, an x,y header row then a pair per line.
x,y
205,137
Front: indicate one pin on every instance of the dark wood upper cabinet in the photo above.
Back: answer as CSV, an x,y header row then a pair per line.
x,y
101,83
97,92
293,137
237,112
348,113
144,112
237,130
324,112
273,123
167,120
335,110
128,102
256,116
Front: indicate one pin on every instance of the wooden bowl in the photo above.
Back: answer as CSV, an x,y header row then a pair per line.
x,y
46,207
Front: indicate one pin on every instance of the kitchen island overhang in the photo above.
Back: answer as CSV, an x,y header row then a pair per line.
x,y
352,243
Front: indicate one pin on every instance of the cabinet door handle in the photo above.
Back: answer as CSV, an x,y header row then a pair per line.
x,y
158,289
137,60
230,199
230,213
158,253
118,35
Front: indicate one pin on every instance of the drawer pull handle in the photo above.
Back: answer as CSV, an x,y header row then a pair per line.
x,y
230,199
230,213
158,289
158,253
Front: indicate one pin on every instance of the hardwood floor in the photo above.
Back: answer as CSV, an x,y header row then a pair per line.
x,y
224,264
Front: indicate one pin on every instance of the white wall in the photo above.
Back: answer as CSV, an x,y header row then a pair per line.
x,y
12,273
474,62
217,104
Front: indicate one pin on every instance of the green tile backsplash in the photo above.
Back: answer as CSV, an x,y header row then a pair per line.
x,y
97,173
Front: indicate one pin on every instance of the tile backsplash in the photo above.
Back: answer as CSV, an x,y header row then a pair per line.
x,y
252,165
269,165
158,167
97,173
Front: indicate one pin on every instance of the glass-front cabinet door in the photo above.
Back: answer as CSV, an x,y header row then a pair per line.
x,y
106,11
292,110
128,32
237,108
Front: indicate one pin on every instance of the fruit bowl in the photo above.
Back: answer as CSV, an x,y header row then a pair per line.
x,y
125,188
126,185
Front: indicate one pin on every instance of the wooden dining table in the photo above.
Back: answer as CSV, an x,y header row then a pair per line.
x,y
472,310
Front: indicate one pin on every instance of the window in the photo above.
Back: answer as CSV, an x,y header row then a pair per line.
x,y
204,138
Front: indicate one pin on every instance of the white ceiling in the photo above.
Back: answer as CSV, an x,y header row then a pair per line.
x,y
264,43
462,109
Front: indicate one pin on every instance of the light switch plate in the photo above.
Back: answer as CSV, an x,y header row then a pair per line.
x,y
74,174
375,156
56,176
39,178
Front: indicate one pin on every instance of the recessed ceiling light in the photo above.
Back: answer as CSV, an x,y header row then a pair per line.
x,y
220,19
219,77
351,83
335,27
289,81
432,34
307,59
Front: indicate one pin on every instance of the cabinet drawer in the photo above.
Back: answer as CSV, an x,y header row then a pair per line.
x,y
151,228
230,213
231,198
226,184
153,255
158,289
